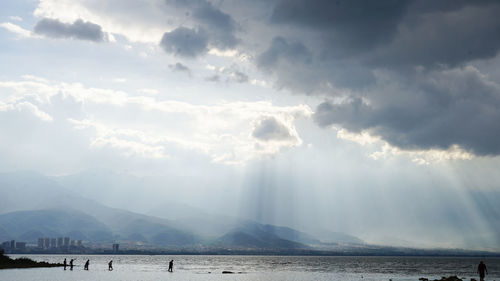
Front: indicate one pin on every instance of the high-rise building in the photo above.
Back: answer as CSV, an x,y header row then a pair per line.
x,y
72,242
40,243
59,242
46,243
66,241
6,245
53,242
116,247
13,244
79,243
20,245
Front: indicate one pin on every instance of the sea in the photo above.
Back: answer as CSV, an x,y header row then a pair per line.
x,y
261,268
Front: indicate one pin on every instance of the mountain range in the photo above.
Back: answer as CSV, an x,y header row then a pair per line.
x,y
33,206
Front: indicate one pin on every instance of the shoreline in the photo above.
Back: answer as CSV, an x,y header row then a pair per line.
x,y
252,254
8,263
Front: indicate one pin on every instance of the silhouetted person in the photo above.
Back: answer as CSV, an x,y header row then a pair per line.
x,y
171,266
481,269
65,264
86,266
71,264
110,265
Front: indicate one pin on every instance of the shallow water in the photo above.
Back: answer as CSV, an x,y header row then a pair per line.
x,y
264,268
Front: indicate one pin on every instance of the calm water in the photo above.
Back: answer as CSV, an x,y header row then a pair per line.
x,y
262,268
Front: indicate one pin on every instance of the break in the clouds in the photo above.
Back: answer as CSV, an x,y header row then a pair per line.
x,y
77,30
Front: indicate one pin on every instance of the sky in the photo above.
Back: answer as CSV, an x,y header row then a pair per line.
x,y
380,119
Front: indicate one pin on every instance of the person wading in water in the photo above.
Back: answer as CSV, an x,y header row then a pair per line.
x,y
171,266
86,266
481,269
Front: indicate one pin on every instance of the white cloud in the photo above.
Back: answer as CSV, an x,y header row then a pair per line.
x,y
14,28
130,23
238,55
420,157
362,138
6,106
131,148
424,157
221,130
223,53
34,110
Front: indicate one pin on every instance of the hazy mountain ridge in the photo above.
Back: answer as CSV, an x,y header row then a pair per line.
x,y
263,240
30,225
46,209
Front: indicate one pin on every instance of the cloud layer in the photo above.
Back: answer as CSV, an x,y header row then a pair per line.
x,y
231,133
389,68
399,70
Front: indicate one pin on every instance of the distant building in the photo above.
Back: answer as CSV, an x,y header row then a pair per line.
x,y
73,243
40,243
59,242
53,243
79,243
46,243
116,248
66,241
13,244
6,245
21,245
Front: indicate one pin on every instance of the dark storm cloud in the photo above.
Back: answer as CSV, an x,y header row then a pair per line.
x,y
269,129
450,38
382,31
388,34
185,42
403,66
296,68
280,48
220,24
292,64
438,110
352,24
218,28
78,30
